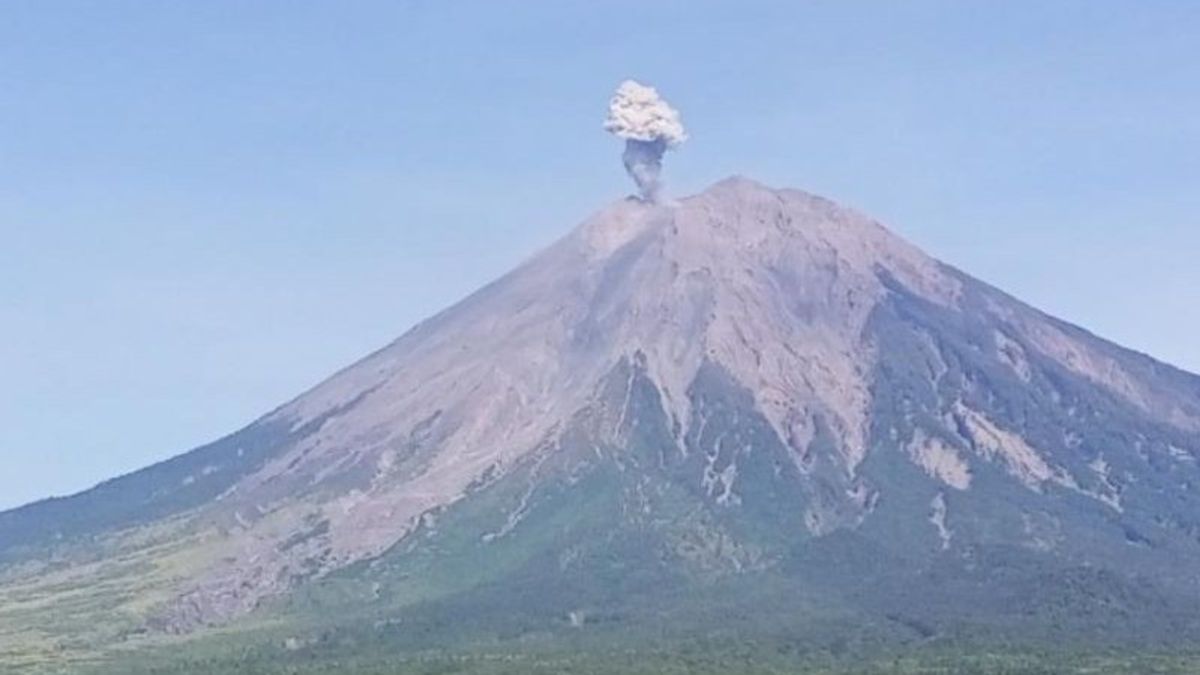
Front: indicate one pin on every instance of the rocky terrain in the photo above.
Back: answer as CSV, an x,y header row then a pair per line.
x,y
751,413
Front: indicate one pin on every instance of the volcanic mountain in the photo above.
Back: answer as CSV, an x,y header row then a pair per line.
x,y
750,413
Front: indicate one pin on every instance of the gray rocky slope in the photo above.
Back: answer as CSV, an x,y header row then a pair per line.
x,y
750,382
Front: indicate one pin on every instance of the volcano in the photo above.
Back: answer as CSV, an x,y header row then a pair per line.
x,y
749,415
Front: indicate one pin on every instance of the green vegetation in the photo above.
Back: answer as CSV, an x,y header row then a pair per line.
x,y
689,659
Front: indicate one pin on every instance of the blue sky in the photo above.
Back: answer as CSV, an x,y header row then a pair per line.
x,y
207,207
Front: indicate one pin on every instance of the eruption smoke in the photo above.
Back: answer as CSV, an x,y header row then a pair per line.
x,y
649,126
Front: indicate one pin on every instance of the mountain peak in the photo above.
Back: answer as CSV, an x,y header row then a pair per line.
x,y
737,183
739,188
763,366
772,288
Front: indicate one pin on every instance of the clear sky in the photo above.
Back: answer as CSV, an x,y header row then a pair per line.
x,y
207,207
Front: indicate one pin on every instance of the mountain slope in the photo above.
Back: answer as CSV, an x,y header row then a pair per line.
x,y
751,392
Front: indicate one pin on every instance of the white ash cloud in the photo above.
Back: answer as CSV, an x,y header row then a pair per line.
x,y
650,127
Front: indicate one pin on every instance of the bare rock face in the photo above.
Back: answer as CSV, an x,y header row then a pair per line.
x,y
775,287
756,343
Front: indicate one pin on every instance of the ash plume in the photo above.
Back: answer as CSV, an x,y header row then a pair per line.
x,y
649,126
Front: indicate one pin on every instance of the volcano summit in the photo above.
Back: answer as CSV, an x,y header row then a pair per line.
x,y
751,415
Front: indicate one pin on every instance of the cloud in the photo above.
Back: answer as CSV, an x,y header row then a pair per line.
x,y
649,126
